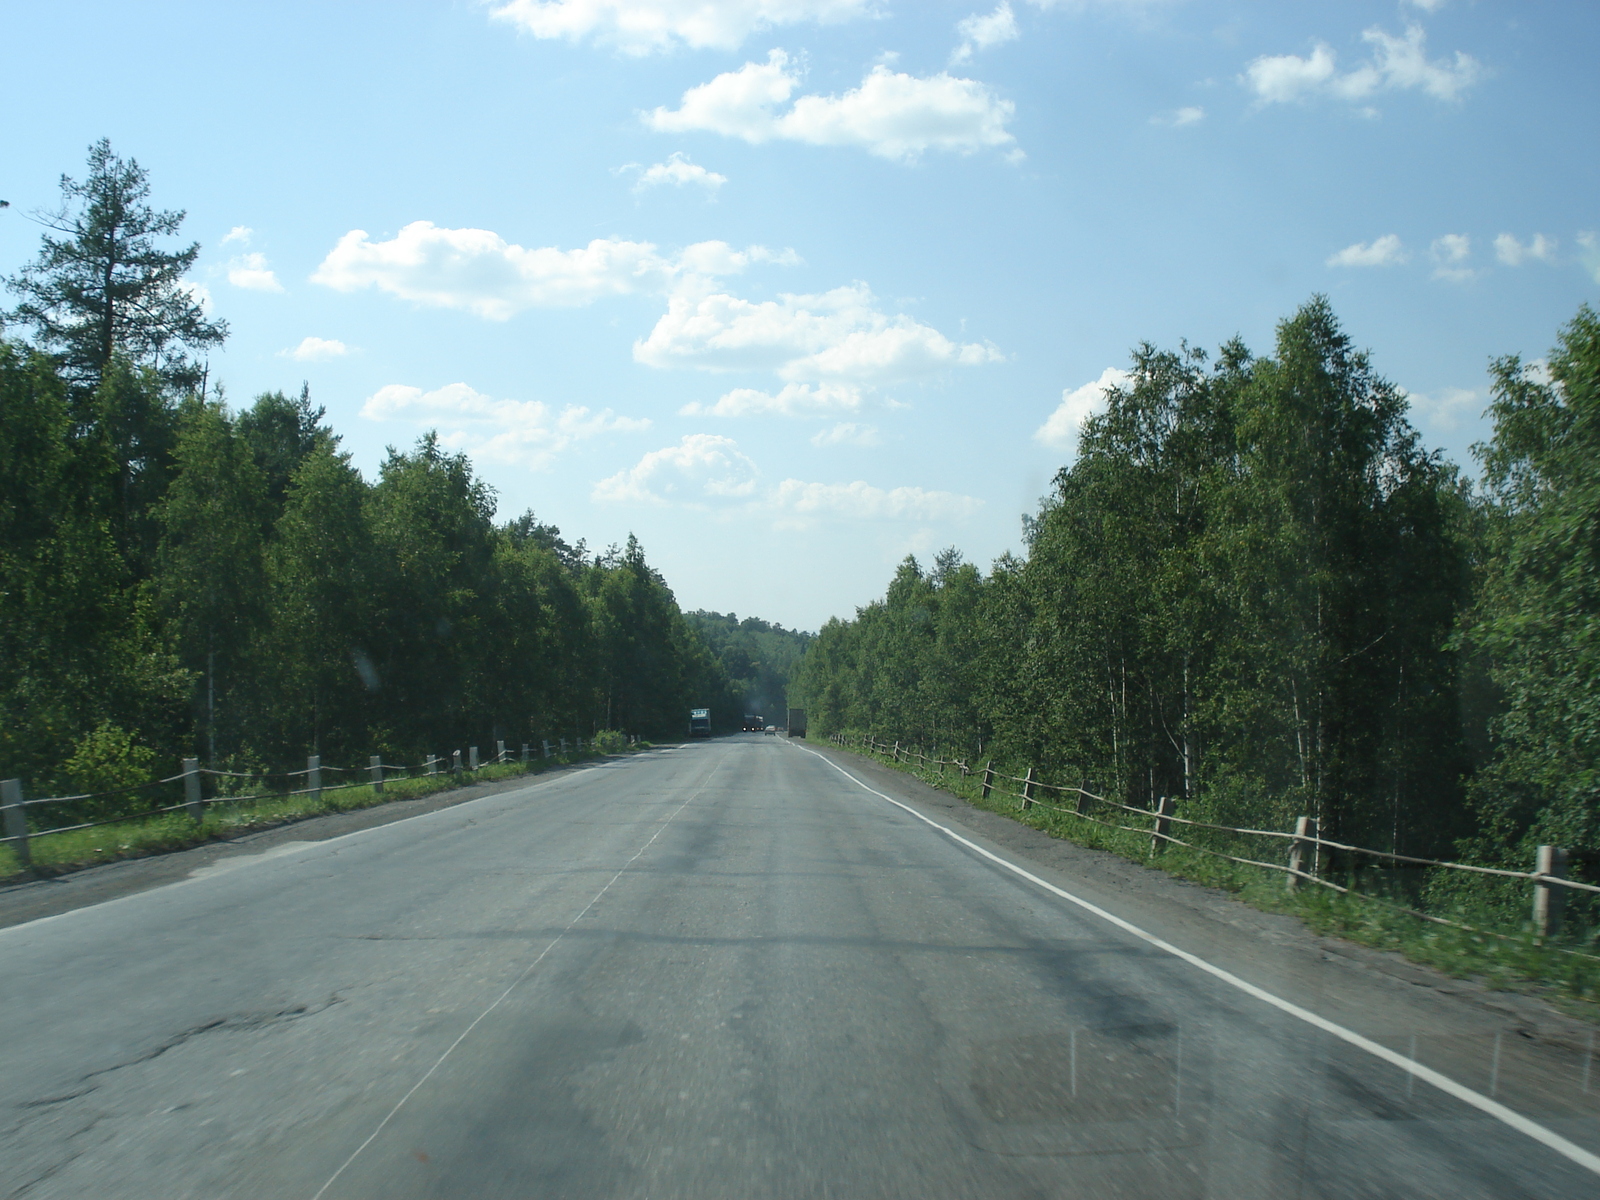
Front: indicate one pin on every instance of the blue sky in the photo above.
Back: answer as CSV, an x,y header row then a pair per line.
x,y
791,288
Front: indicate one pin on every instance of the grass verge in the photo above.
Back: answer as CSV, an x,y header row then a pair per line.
x,y
137,837
1510,960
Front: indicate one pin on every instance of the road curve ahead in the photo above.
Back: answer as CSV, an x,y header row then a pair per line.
x,y
731,970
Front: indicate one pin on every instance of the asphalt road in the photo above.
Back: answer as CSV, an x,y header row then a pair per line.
x,y
731,970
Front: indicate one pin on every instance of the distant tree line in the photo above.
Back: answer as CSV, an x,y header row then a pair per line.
x,y
1255,590
178,578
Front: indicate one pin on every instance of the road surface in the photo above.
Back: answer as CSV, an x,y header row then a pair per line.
x,y
743,969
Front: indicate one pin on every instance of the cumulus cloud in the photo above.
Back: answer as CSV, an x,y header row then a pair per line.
x,y
1396,63
199,293
1061,429
892,115
1178,118
1447,408
641,27
478,270
863,502
315,349
239,233
702,469
1450,254
706,471
678,171
848,433
1589,252
840,335
1386,251
792,400
980,31
1513,253
250,271
524,433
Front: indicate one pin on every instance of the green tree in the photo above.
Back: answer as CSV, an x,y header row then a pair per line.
x,y
1537,622
103,286
77,643
280,433
209,581
319,685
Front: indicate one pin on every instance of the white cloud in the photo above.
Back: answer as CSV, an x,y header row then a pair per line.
x,y
239,233
314,349
979,32
519,432
1061,429
848,433
250,271
679,171
1427,6
709,471
1386,251
648,26
792,400
1450,254
838,335
198,292
1589,252
1513,253
1446,409
478,270
1397,63
892,115
703,468
1178,118
862,502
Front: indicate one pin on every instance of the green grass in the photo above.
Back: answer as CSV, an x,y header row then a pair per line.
x,y
1515,960
58,853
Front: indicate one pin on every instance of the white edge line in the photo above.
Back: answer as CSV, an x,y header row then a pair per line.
x,y
262,857
1444,1083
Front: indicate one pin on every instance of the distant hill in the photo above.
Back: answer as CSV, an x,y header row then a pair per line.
x,y
759,657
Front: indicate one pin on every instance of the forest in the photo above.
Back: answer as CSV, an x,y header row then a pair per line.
x,y
186,578
1256,592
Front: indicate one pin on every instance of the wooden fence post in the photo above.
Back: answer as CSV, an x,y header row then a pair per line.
x,y
988,779
526,750
472,758
314,777
375,767
499,751
1547,900
546,744
1027,791
1304,827
16,819
433,764
897,752
1085,805
191,790
455,762
1163,825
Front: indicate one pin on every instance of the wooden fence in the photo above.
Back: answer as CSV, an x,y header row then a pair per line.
x,y
15,807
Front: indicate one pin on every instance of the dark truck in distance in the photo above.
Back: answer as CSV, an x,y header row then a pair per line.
x,y
754,723
699,722
797,722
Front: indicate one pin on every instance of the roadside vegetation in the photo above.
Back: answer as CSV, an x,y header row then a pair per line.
x,y
1256,594
1374,915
